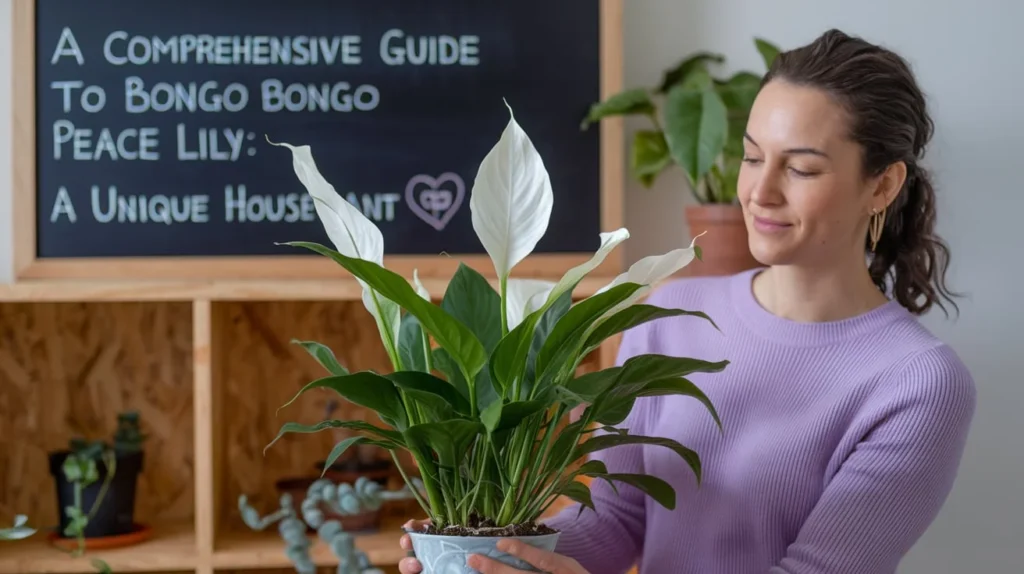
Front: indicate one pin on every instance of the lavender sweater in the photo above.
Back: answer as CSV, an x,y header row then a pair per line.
x,y
841,442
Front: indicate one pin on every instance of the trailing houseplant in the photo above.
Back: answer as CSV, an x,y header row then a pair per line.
x,y
697,122
482,383
96,482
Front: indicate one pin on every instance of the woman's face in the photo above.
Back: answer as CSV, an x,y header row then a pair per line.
x,y
805,199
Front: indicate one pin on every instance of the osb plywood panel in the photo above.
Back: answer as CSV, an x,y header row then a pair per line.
x,y
67,369
261,371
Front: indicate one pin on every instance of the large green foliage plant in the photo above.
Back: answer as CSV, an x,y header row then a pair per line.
x,y
482,382
699,125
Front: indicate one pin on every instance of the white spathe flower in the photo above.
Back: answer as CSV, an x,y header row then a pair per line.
x,y
609,241
351,232
511,199
655,268
420,289
524,296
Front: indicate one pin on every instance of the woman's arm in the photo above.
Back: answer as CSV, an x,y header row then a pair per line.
x,y
891,487
609,540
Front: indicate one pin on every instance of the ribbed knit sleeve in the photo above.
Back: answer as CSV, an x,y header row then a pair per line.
x,y
892,484
609,541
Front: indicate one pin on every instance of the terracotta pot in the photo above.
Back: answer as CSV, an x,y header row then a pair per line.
x,y
724,246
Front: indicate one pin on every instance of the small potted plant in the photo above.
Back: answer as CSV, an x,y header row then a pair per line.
x,y
96,483
699,127
481,384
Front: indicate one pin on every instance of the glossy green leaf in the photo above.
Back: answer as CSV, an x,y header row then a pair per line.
x,y
340,448
568,333
365,389
629,102
362,426
679,386
578,492
696,126
410,344
649,156
602,442
500,416
427,384
450,333
661,491
634,316
471,299
323,355
444,363
449,440
541,333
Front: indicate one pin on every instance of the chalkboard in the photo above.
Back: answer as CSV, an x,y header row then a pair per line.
x,y
152,119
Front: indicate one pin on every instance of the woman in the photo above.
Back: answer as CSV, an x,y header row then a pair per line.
x,y
844,418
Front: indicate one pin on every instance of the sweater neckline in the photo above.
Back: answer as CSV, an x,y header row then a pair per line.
x,y
805,334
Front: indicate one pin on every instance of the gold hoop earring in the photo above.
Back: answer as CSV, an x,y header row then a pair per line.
x,y
877,225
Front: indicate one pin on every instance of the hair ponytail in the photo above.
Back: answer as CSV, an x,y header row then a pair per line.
x,y
909,257
890,121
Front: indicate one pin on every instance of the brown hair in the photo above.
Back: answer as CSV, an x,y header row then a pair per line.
x,y
890,121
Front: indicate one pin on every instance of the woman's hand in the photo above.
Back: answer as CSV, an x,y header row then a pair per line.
x,y
410,565
541,559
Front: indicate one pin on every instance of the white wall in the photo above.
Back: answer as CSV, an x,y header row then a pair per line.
x,y
965,55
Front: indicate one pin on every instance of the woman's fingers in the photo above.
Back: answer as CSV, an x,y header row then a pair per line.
x,y
541,559
410,566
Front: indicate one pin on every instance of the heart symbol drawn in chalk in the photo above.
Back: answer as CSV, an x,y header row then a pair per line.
x,y
432,203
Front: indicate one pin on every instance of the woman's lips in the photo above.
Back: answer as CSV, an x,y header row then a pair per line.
x,y
765,225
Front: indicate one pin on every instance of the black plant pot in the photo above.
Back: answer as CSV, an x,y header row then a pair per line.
x,y
116,512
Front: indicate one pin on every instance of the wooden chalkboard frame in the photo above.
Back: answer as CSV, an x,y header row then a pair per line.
x,y
28,266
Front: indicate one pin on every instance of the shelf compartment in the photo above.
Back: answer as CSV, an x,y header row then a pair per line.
x,y
66,370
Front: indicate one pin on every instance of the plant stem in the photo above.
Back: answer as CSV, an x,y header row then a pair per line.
x,y
412,487
504,306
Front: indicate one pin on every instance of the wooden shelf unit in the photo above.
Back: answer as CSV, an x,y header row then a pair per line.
x,y
207,364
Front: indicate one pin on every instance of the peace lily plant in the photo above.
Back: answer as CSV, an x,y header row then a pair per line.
x,y
481,384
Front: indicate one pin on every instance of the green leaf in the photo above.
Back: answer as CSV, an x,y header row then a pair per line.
x,y
603,442
684,69
410,344
633,316
365,389
680,386
471,299
444,362
499,416
653,486
648,156
567,335
340,448
767,50
421,384
363,426
739,92
449,332
512,351
449,439
696,126
323,355
639,370
628,102
541,333
614,410
591,385
579,492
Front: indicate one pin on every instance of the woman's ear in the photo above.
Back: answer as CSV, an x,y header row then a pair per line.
x,y
888,185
